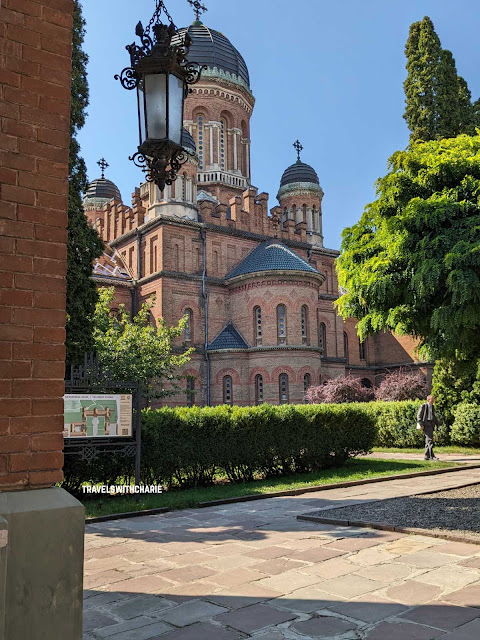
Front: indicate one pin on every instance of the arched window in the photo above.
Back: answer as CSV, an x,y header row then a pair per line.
x,y
190,391
184,187
367,383
189,325
227,390
215,262
345,345
200,142
362,350
305,336
281,324
283,388
322,337
198,261
223,144
257,326
307,382
176,258
258,389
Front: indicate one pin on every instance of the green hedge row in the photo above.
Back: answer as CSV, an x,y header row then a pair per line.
x,y
466,426
189,446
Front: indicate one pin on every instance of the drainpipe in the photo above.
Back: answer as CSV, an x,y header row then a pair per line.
x,y
203,235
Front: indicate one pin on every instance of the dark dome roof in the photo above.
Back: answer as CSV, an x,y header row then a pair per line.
x,y
188,141
213,49
271,255
299,172
103,189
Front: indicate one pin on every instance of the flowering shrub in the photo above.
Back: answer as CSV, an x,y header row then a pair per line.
x,y
339,390
401,385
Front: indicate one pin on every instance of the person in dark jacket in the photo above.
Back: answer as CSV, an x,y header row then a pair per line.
x,y
427,419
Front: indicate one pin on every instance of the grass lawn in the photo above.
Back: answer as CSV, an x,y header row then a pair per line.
x,y
467,451
356,469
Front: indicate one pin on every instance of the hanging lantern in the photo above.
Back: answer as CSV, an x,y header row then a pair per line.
x,y
161,75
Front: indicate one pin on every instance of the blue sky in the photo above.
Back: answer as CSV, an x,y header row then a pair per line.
x,y
328,73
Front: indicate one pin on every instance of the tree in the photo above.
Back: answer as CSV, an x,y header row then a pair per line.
x,y
411,265
452,382
438,101
137,350
401,385
83,242
339,390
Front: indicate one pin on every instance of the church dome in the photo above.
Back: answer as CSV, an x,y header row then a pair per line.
x,y
187,141
101,191
213,49
299,172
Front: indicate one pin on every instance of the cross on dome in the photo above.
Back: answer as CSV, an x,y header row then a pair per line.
x,y
103,164
298,148
198,8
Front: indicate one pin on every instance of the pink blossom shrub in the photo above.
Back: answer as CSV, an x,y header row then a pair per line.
x,y
402,385
339,390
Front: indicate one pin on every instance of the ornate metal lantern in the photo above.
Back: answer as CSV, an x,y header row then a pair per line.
x,y
161,74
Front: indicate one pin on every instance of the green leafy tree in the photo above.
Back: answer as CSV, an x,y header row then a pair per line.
x,y
438,101
452,382
83,242
411,265
137,350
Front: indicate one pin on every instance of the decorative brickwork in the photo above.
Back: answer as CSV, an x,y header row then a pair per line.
x,y
185,241
35,63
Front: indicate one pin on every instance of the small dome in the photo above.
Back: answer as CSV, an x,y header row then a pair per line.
x,y
271,255
212,48
101,191
299,172
187,141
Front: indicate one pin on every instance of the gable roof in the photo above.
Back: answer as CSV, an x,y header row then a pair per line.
x,y
271,256
228,338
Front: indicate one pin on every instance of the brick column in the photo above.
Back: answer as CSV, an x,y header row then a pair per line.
x,y
35,77
34,138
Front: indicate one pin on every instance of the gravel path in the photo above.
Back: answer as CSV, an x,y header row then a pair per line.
x,y
455,510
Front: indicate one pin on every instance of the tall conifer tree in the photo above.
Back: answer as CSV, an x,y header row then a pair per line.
x,y
438,101
83,242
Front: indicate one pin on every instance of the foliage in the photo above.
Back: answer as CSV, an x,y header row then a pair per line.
x,y
338,390
466,427
137,350
401,385
452,382
83,242
397,424
412,263
438,101
187,447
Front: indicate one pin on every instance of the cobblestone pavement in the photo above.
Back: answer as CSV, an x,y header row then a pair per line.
x,y
252,570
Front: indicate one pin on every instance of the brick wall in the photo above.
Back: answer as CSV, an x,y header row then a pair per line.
x,y
35,62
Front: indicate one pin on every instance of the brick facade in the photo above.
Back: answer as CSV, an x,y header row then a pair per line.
x,y
35,63
208,221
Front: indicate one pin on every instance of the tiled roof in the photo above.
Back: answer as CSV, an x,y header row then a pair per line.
x,y
271,256
228,338
110,265
299,172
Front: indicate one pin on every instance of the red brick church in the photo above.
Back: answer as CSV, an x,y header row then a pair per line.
x,y
257,283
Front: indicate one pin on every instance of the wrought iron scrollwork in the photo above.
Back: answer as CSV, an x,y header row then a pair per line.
x,y
160,161
128,78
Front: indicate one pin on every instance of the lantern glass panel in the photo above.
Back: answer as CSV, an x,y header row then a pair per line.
x,y
141,115
175,108
155,105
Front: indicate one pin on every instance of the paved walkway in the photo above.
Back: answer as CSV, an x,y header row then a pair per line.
x,y
444,457
252,570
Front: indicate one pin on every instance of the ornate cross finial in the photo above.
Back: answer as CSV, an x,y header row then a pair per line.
x,y
198,7
298,147
103,164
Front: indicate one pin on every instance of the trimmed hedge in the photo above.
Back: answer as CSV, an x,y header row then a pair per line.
x,y
397,425
466,427
186,447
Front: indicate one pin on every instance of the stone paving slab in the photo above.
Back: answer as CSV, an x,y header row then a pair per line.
x,y
189,575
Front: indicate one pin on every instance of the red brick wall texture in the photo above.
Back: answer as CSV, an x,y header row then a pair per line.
x,y
35,68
